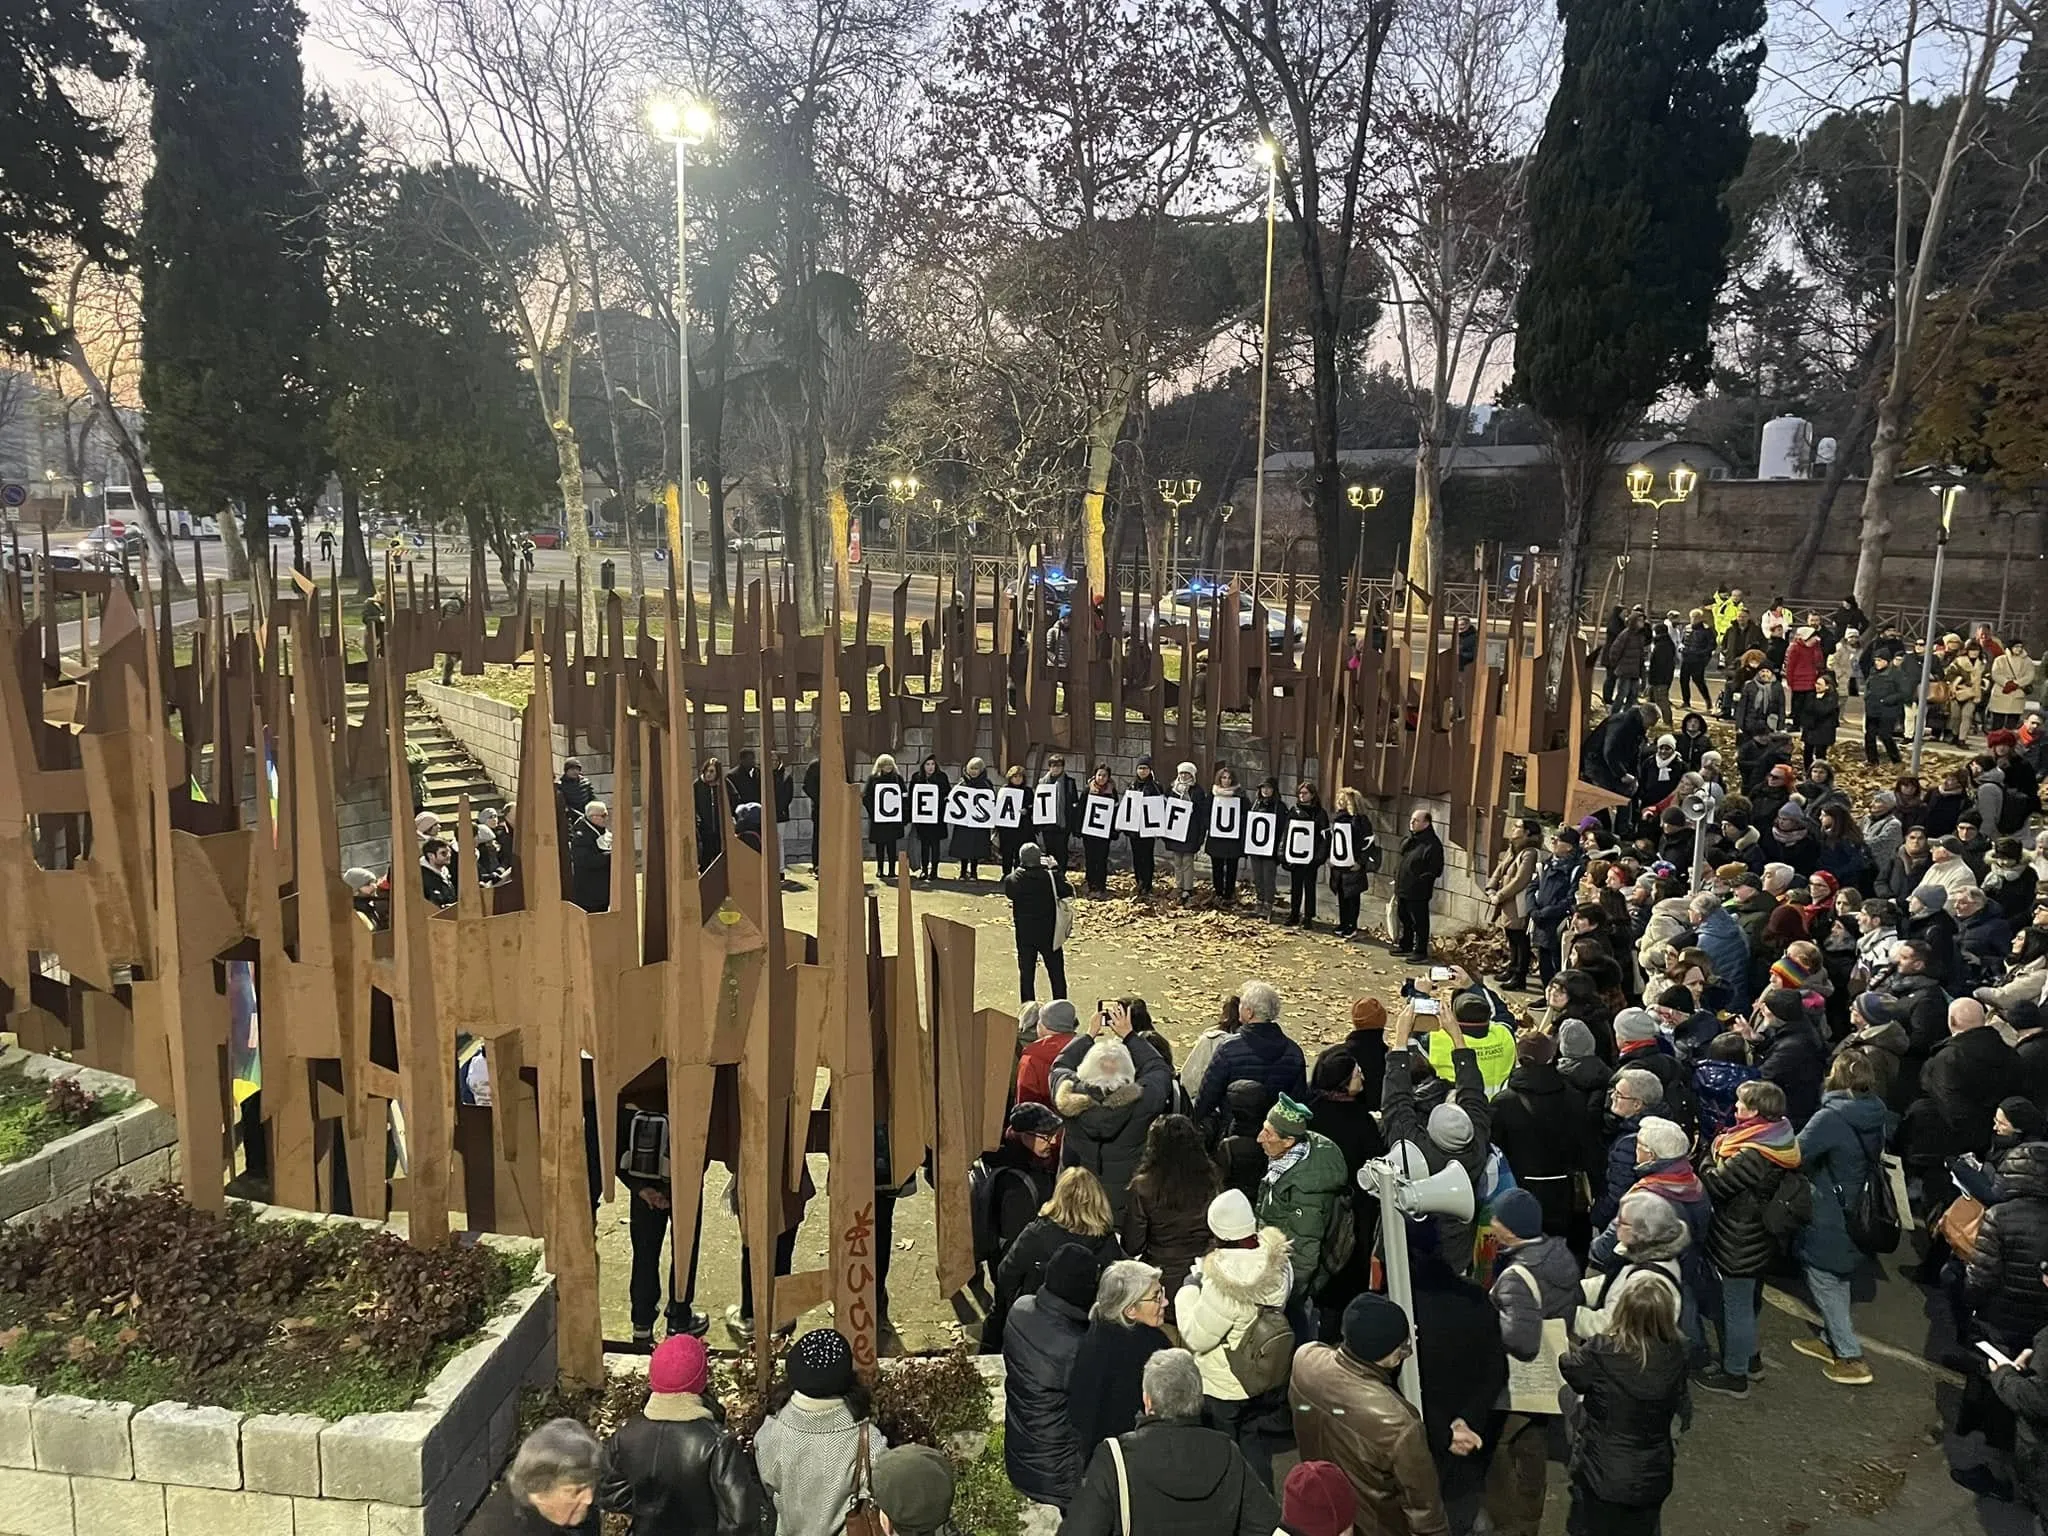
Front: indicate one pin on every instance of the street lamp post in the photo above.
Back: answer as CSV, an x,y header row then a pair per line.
x,y
1948,493
682,123
1176,494
1363,498
903,491
1268,153
1642,490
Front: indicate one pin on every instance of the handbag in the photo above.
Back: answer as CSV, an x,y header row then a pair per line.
x,y
863,1519
1533,1385
1062,913
1959,1223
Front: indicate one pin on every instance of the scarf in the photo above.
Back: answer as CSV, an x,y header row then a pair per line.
x,y
1278,1167
1774,1138
1680,1185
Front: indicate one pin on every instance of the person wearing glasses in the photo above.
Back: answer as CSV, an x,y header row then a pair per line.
x,y
1106,1393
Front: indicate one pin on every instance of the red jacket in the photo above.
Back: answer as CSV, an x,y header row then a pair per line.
x,y
1034,1069
1804,661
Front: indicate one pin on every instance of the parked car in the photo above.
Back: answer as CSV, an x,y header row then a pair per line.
x,y
763,541
1195,602
555,536
1059,590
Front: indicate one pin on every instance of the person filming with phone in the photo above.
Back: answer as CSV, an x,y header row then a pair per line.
x,y
1457,1130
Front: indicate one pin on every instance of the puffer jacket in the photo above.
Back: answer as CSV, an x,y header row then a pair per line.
x,y
1541,1127
2026,1394
1348,1411
1040,1451
1838,1150
1740,1187
1524,1307
672,1467
2012,1241
1796,1059
1622,1446
1621,1172
1260,1053
1646,1264
1300,1204
1105,1129
1225,1290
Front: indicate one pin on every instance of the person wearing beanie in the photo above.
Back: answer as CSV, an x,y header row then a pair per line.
x,y
1175,1473
1035,890
817,1431
1538,1280
1245,1271
1367,1044
1318,1501
1041,1340
1787,1045
1009,1185
1109,1087
1403,1120
1304,1195
672,1466
1929,921
1584,1074
1640,1042
913,1489
1057,1024
1485,1029
1182,851
1555,894
1348,1410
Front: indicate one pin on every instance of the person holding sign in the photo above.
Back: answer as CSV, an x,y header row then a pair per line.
x,y
1145,783
1264,860
1055,836
884,798
970,843
1354,857
1183,847
1226,834
1013,831
1098,829
930,834
1304,846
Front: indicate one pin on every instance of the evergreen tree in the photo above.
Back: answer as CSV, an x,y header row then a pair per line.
x,y
1629,229
232,298
52,185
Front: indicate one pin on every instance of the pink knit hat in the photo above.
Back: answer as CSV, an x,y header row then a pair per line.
x,y
679,1365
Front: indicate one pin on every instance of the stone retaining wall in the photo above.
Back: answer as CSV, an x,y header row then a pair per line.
x,y
70,1466
136,1148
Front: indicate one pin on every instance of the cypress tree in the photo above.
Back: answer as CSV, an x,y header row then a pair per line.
x,y
232,296
1628,229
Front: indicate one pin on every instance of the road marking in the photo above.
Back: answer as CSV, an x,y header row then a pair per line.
x,y
1792,1306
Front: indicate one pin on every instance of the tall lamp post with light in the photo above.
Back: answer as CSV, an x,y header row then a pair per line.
x,y
1268,154
682,122
903,491
1363,499
1176,494
1642,490
1948,491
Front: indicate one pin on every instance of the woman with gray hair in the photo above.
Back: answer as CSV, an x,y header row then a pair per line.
x,y
1106,1393
1649,1237
550,1487
1109,1087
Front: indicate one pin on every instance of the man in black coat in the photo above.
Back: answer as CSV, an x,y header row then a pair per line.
x,y
1177,1475
673,1466
1035,890
1614,747
1257,1051
1421,865
573,791
590,859
1959,1091
1541,1126
1557,884
743,784
437,880
711,813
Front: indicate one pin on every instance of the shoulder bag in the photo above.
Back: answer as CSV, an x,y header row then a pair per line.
x,y
1873,1216
1123,1487
863,1519
1062,913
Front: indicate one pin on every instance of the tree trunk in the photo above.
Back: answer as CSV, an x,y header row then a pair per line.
x,y
1426,519
714,511
1847,449
231,541
1326,486
576,523
355,553
154,533
1580,463
1104,430
1876,535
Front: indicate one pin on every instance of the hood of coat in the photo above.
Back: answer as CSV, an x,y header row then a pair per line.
x,y
1649,1252
1250,1276
1890,1036
1551,1262
1074,1101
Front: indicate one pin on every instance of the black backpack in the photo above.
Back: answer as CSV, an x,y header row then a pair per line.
x,y
1789,1208
1873,1216
984,1191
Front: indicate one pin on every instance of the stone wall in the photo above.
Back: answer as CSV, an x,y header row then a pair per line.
x,y
71,1466
135,1148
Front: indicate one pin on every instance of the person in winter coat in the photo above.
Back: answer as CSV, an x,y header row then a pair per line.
x,y
1749,1165
1144,853
672,1466
1458,1130
1125,1329
1305,1186
809,1446
590,859
1663,661
1557,882
1109,1088
1694,652
1464,1368
1012,841
1587,1078
1629,1386
1420,866
1509,894
1634,1093
1823,721
1626,658
885,835
1265,872
1959,1090
550,1488
1035,890
1789,1051
1077,1213
1840,1148
1886,693
1348,1410
1095,850
1722,941
1806,663
1224,851
2011,883
1166,1214
710,800
1536,1283
1646,1246
1716,1080
2003,1277
1351,884
1541,1127
1245,1272
1301,896
1041,1343
1174,1473
2026,979
1260,1052
2024,1393
930,838
1760,707
1183,850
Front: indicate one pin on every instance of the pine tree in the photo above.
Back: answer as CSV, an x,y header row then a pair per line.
x,y
1628,228
52,156
231,285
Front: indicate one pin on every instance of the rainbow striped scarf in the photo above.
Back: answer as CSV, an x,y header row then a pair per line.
x,y
1774,1138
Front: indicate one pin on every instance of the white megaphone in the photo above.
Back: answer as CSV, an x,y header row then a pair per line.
x,y
1417,1192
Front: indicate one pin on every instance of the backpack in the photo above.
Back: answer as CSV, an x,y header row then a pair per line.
x,y
1340,1238
1264,1358
1369,856
645,1154
984,1188
1790,1207
1873,1216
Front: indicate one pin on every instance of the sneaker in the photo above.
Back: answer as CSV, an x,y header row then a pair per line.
x,y
1848,1373
1714,1379
1756,1365
1814,1349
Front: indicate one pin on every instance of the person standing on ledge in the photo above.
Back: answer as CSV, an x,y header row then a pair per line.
x,y
1415,876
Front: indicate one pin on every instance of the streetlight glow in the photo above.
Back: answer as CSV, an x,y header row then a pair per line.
x,y
683,120
1266,153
